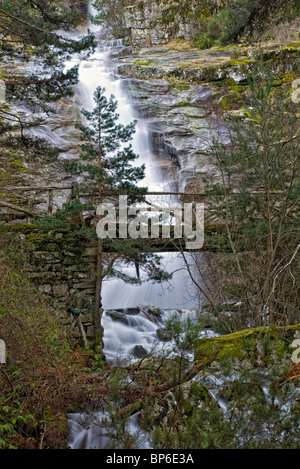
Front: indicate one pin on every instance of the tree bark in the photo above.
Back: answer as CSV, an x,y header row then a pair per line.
x,y
98,311
99,269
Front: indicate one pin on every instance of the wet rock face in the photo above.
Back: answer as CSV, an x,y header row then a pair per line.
x,y
178,116
186,96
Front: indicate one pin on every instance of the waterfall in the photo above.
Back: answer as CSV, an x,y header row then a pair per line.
x,y
100,70
179,292
132,330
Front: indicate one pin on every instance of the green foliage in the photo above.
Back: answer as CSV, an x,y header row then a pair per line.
x,y
203,41
106,139
183,333
216,26
111,15
43,370
116,427
248,17
250,422
257,201
240,19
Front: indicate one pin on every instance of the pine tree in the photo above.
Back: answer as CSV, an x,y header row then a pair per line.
x,y
109,140
28,31
105,166
112,15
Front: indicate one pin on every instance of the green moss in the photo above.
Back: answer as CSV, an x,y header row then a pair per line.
x,y
231,101
285,79
186,104
36,237
58,423
293,46
21,228
181,86
145,63
242,61
231,84
51,247
261,342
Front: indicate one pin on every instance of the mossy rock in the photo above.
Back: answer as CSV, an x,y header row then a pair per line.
x,y
154,311
181,86
285,79
242,62
51,247
21,228
262,345
142,63
57,423
232,101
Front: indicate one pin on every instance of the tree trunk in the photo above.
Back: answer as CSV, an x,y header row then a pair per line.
x,y
82,332
98,300
99,269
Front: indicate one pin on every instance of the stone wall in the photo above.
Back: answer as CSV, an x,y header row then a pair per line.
x,y
147,25
64,268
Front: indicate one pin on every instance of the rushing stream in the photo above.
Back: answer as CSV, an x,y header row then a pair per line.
x,y
134,330
180,292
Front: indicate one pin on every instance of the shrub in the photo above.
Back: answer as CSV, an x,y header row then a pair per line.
x,y
203,41
45,374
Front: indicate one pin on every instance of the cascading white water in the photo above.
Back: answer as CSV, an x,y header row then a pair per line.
x,y
99,70
89,432
121,337
180,292
125,339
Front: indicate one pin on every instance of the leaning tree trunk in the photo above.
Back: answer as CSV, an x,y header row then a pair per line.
x,y
98,311
99,268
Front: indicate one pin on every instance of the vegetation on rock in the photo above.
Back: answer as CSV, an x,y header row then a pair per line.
x,y
46,373
236,390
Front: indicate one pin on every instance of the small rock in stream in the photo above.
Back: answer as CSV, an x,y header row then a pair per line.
x,y
139,351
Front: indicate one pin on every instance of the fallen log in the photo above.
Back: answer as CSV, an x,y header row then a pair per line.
x,y
20,209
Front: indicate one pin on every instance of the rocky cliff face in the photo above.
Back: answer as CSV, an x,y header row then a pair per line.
x,y
146,20
188,95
